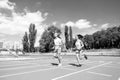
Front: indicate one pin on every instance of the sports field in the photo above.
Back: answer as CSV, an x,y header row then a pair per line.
x,y
44,67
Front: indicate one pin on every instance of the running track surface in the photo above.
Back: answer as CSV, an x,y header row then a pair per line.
x,y
45,68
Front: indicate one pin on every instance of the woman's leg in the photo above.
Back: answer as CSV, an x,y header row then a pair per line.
x,y
83,54
85,57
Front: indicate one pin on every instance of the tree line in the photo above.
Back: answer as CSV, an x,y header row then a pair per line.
x,y
109,38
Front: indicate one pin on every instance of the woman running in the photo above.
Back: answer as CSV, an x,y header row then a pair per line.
x,y
58,45
79,45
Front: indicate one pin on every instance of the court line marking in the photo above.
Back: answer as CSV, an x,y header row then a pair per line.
x,y
20,61
33,62
106,75
35,59
112,67
33,66
81,71
14,66
8,75
37,65
24,63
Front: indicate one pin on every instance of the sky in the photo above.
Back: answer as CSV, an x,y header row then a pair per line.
x,y
85,16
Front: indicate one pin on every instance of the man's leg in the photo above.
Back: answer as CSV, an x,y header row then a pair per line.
x,y
55,54
59,57
78,57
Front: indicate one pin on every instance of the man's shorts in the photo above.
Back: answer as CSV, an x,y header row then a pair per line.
x,y
78,51
57,49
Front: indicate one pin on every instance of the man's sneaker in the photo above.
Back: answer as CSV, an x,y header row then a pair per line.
x,y
79,65
60,65
55,56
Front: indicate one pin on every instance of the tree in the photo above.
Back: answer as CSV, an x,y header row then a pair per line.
x,y
44,41
89,40
25,43
47,39
71,37
66,37
109,38
32,37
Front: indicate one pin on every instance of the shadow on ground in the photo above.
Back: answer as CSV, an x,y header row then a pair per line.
x,y
54,64
75,64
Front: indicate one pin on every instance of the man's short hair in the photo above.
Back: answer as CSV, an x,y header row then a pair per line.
x,y
80,36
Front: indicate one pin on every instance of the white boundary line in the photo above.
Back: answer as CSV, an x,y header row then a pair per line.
x,y
107,75
82,63
112,67
37,65
8,75
15,65
23,63
80,71
23,67
29,59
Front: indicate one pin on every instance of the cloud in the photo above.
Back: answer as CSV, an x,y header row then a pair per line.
x,y
105,26
81,24
62,25
12,28
54,23
70,23
95,25
6,4
19,23
46,14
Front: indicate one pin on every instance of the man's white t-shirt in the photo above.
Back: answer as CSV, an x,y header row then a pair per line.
x,y
57,42
79,44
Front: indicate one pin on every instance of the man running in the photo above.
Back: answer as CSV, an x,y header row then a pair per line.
x,y
57,46
79,45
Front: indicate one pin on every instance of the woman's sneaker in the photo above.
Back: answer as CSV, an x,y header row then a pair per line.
x,y
85,57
